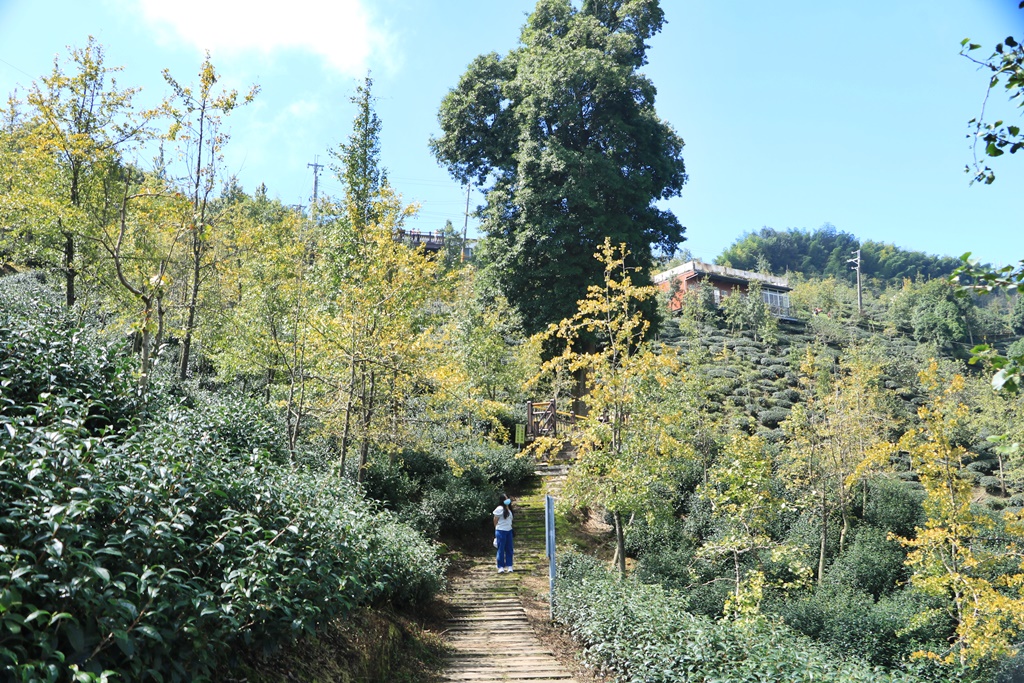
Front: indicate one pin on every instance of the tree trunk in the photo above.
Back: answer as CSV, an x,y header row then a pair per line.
x,y
160,314
620,544
736,575
1002,478
824,539
69,268
348,413
147,341
190,323
367,408
846,526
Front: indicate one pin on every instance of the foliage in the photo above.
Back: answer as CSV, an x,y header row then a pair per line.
x,y
836,438
641,632
450,488
564,128
1006,62
951,557
92,372
974,277
196,125
358,166
744,508
152,549
80,125
853,622
628,443
824,252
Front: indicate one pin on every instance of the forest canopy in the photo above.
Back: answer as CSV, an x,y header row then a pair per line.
x,y
824,252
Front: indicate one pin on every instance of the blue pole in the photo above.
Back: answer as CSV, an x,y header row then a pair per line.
x,y
549,544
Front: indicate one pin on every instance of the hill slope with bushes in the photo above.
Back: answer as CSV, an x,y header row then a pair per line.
x,y
152,537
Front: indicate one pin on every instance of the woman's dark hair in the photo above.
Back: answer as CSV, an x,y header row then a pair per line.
x,y
504,515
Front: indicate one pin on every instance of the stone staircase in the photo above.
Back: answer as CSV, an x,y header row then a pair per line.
x,y
489,633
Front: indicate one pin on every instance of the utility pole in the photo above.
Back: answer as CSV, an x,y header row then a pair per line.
x,y
316,166
465,224
856,266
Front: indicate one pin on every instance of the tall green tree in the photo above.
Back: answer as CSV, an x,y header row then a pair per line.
x,y
563,135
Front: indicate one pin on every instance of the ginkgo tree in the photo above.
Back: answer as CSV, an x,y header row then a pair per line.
x,y
966,558
142,244
628,446
836,437
196,130
79,125
745,506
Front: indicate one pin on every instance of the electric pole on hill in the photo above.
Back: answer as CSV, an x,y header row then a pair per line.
x,y
856,266
316,166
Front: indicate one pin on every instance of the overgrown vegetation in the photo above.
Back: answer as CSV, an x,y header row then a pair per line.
x,y
152,538
846,476
239,423
639,631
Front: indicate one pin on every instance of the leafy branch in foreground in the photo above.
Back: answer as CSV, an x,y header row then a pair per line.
x,y
1006,65
984,279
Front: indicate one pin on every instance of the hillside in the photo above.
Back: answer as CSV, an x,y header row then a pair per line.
x,y
825,252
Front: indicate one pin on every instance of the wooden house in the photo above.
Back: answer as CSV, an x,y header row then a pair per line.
x,y
725,281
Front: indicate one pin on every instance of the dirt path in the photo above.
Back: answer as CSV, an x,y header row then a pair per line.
x,y
489,633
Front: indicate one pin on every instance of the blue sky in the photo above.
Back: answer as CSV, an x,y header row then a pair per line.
x,y
795,113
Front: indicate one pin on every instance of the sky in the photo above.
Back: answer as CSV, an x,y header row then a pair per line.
x,y
795,113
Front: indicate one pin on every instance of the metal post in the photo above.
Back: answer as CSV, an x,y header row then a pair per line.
x,y
549,546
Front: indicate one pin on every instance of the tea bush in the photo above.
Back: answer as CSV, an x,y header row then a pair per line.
x,y
152,540
852,622
449,489
643,633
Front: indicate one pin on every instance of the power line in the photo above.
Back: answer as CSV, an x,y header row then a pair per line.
x,y
16,68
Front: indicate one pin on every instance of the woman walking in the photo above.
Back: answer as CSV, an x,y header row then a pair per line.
x,y
503,533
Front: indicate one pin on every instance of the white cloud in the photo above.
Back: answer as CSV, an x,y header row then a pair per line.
x,y
304,109
341,32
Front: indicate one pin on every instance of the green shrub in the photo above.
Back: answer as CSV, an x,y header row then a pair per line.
x,y
983,466
499,464
387,481
46,358
641,632
772,417
852,622
458,507
444,502
894,506
872,564
152,546
644,537
993,485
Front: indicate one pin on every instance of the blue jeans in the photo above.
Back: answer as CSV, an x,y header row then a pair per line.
x,y
504,548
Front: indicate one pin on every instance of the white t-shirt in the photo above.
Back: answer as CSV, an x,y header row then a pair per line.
x,y
504,523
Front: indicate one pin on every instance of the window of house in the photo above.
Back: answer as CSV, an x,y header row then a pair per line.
x,y
777,301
